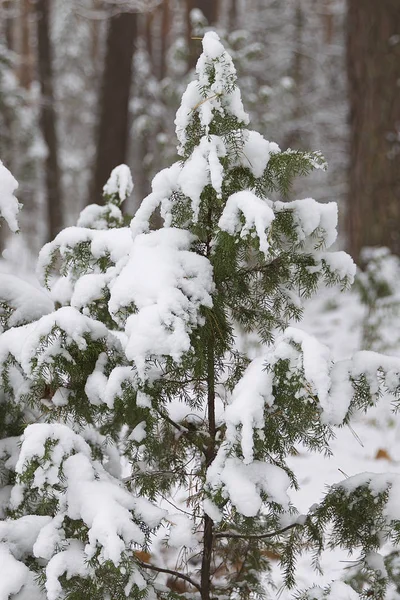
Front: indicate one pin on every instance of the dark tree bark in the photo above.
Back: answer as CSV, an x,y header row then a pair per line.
x,y
48,118
373,65
8,23
25,70
112,139
165,30
149,17
233,15
95,32
209,8
295,139
328,21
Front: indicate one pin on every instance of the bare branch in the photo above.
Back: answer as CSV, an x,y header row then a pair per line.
x,y
260,536
176,574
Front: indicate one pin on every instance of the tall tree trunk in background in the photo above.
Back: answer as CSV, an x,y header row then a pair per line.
x,y
95,33
209,8
9,24
373,64
25,70
112,140
295,137
48,118
328,21
165,30
233,15
149,17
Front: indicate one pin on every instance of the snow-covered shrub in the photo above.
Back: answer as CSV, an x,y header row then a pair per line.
x,y
142,453
377,284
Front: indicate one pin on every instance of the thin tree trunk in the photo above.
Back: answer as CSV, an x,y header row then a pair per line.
x,y
233,15
9,24
25,71
95,36
294,139
149,35
113,128
208,536
48,118
328,21
165,28
373,65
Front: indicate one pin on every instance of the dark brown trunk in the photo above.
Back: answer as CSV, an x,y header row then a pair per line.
x,y
233,15
209,8
294,139
165,28
328,21
208,537
25,70
113,131
48,118
149,35
9,25
95,36
373,65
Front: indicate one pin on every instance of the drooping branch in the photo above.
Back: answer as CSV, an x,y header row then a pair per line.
x,y
257,536
176,574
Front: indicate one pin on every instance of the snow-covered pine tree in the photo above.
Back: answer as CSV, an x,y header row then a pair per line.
x,y
153,455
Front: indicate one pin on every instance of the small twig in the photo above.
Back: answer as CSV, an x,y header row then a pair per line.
x,y
176,574
164,416
204,100
256,536
356,436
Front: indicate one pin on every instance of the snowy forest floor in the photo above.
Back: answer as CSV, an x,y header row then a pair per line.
x,y
372,444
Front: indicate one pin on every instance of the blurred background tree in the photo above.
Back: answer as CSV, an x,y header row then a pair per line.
x,y
104,89
373,61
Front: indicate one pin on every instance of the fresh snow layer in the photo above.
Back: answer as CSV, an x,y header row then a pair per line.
x,y
257,213
27,303
257,151
167,284
85,492
120,183
9,205
95,216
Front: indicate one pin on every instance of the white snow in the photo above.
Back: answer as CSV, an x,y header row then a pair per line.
x,y
72,562
114,243
167,284
222,95
243,483
138,434
95,216
87,493
27,303
163,185
246,407
203,167
312,217
9,205
17,574
119,183
257,213
257,151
